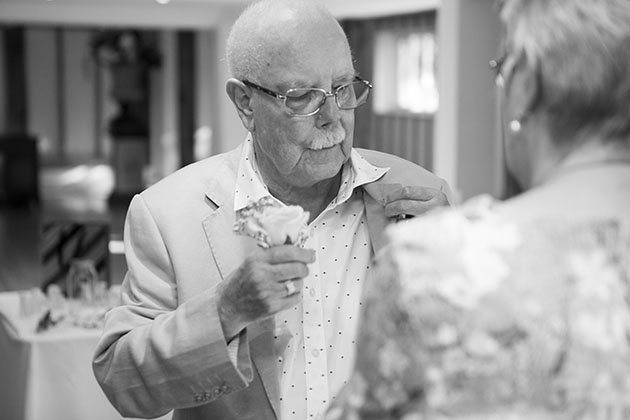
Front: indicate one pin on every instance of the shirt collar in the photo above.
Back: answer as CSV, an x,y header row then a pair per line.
x,y
356,172
250,186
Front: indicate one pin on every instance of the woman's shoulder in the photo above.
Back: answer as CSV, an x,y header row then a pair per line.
x,y
465,245
449,229
484,220
479,242
480,300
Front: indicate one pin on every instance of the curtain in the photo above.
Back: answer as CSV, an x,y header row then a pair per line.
x,y
408,134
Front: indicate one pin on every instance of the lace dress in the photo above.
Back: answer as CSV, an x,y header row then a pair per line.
x,y
475,317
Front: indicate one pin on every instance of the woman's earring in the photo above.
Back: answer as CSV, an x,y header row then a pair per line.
x,y
515,125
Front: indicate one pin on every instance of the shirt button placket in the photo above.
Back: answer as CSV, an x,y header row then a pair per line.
x,y
316,361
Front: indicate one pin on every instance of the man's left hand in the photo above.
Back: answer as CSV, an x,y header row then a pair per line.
x,y
413,201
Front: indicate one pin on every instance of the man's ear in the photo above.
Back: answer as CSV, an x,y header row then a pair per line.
x,y
241,96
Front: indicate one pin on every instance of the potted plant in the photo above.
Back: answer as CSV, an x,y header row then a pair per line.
x,y
128,56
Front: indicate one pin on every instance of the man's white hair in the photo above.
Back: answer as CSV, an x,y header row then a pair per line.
x,y
580,53
249,40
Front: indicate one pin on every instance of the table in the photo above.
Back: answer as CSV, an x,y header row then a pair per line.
x,y
48,375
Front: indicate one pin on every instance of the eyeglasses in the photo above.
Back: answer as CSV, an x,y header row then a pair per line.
x,y
496,65
304,102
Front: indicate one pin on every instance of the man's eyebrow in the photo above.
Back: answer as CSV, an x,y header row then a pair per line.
x,y
306,83
346,78
296,84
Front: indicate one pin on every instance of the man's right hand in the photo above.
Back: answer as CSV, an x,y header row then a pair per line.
x,y
258,288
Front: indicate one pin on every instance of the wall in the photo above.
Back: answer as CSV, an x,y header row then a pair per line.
x,y
144,13
230,129
163,113
207,104
466,151
69,104
79,85
218,127
467,147
214,15
44,112
359,9
2,87
61,93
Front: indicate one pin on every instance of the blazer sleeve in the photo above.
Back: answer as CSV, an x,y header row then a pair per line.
x,y
406,172
156,354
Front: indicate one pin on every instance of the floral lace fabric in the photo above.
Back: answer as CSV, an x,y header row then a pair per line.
x,y
475,317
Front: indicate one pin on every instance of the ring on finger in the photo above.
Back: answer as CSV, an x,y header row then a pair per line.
x,y
290,287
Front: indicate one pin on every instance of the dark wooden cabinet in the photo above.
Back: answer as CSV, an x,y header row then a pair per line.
x,y
19,170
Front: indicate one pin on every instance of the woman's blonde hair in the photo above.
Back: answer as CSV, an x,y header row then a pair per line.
x,y
580,53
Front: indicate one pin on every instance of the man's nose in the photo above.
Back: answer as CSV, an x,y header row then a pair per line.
x,y
329,111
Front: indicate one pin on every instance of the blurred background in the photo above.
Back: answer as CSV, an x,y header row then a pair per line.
x,y
101,98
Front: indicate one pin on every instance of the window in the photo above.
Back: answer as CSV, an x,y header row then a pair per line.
x,y
398,54
404,71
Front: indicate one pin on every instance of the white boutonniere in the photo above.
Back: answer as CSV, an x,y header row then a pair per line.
x,y
270,223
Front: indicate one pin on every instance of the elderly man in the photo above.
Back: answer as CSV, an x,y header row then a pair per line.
x,y
211,325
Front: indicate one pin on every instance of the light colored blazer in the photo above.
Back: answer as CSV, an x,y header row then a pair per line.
x,y
164,348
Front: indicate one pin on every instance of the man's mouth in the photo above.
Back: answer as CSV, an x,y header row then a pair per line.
x,y
328,140
325,148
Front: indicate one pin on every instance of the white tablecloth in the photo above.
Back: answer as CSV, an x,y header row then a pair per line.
x,y
48,375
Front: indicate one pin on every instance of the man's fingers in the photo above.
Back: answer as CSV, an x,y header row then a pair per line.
x,y
414,193
414,201
288,271
288,253
409,208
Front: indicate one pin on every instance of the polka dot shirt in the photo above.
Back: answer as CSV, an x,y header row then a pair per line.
x,y
315,340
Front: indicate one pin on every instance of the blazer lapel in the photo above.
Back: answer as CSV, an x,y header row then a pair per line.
x,y
375,215
229,251
262,349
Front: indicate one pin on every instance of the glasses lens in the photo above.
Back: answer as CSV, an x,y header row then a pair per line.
x,y
304,101
352,95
